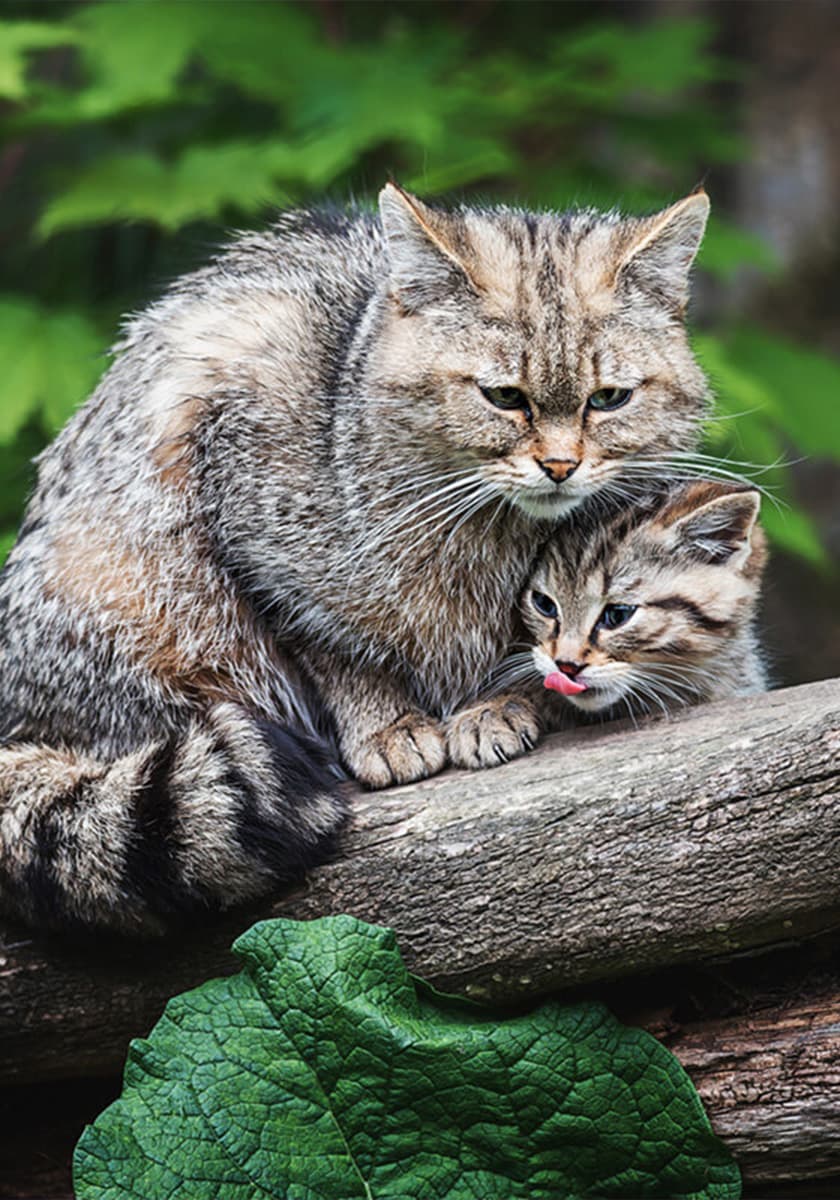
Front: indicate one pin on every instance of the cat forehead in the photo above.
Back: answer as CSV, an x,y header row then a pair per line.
x,y
638,563
533,264
547,315
624,552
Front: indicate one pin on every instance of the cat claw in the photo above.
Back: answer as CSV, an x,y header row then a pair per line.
x,y
412,748
492,732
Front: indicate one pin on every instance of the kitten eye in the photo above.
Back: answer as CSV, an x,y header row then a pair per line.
x,y
544,605
615,615
507,397
606,399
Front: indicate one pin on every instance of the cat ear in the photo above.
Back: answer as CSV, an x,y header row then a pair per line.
x,y
424,264
715,522
657,254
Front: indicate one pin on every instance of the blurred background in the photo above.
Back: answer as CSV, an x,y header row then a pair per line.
x,y
136,135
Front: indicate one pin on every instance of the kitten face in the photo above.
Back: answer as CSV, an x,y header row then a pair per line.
x,y
542,352
652,602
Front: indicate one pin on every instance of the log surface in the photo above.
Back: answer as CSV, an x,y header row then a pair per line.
x,y
770,1082
606,852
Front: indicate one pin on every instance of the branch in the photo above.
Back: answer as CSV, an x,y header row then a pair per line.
x,y
608,851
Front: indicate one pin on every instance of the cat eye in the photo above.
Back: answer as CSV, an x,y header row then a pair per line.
x,y
544,605
606,399
508,398
615,615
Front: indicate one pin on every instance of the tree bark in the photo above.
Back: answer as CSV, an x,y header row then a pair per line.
x,y
606,852
770,1082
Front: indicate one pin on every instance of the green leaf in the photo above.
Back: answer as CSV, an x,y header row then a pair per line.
x,y
726,249
134,52
324,1070
200,183
50,362
18,39
601,62
804,384
793,530
771,395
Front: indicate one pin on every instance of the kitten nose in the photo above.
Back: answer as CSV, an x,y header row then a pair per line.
x,y
569,668
558,469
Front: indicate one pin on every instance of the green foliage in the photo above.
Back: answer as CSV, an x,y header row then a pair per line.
x,y
772,395
135,132
51,361
324,1069
18,41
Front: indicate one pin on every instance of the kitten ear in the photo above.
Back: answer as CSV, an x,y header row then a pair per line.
x,y
656,256
715,522
424,264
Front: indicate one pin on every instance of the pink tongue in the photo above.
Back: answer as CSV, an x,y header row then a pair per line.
x,y
558,682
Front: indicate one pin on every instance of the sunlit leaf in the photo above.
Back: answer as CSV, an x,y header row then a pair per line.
x,y
134,52
805,385
605,60
793,530
726,249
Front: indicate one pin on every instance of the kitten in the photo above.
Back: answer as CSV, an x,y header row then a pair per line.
x,y
656,608
282,535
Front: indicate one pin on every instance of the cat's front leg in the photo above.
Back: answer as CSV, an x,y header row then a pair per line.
x,y
492,731
384,738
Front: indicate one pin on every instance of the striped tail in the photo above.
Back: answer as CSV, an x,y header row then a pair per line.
x,y
222,814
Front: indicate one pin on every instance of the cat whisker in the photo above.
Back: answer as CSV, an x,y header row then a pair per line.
x,y
486,493
390,528
643,687
760,468
664,472
510,670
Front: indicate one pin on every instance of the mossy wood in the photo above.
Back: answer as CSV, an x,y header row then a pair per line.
x,y
607,852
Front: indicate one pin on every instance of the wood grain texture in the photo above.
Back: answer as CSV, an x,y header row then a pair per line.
x,y
770,1081
607,852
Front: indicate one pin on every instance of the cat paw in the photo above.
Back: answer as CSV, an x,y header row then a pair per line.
x,y
414,747
492,732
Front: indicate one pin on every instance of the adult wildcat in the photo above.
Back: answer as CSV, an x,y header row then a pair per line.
x,y
338,444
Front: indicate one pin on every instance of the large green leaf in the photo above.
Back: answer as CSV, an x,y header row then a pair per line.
x,y
775,399
804,384
324,1071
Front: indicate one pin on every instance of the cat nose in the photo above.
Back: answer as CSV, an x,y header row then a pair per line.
x,y
569,668
558,469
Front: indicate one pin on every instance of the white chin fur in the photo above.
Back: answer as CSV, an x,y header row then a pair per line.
x,y
596,699
546,506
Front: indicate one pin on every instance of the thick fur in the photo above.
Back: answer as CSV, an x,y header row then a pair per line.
x,y
214,817
290,499
689,559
